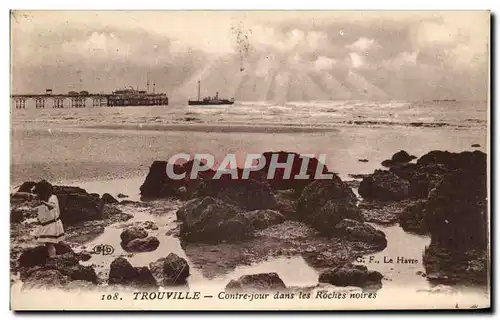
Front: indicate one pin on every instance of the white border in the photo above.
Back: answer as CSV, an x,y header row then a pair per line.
x,y
254,5
178,5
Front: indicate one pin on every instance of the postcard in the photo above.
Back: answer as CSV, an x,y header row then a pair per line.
x,y
250,160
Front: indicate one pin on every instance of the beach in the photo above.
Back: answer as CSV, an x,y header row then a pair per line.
x,y
111,143
233,160
110,150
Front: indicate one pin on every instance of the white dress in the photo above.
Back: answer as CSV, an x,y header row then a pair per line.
x,y
51,228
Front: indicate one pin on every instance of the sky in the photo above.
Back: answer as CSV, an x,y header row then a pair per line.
x,y
255,56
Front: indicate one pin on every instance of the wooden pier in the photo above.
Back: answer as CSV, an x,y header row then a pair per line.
x,y
121,98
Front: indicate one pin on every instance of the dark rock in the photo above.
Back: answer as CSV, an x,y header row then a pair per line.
x,y
355,230
354,184
157,182
286,204
422,183
150,225
434,165
384,185
43,279
67,264
211,219
261,219
388,163
257,282
84,256
121,195
319,192
159,185
96,196
324,203
188,119
457,212
170,271
27,186
399,158
332,213
22,208
145,278
132,233
422,178
114,214
351,275
84,232
121,272
37,256
476,145
109,199
279,181
412,219
358,175
291,194
437,157
62,248
76,205
363,160
447,267
246,194
382,212
141,244
402,157
456,216
470,161
16,215
60,190
405,171
79,207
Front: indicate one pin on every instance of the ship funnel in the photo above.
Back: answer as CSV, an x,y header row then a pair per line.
x,y
199,90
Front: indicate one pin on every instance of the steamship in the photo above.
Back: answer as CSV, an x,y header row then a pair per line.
x,y
210,100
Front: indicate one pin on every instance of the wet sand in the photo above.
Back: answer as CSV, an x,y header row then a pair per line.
x,y
115,157
82,144
221,128
64,153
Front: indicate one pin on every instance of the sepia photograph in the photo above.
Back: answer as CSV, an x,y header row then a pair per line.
x,y
250,160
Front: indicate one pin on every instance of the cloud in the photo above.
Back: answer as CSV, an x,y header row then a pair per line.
x,y
401,60
324,63
265,37
437,34
402,54
356,60
99,46
361,45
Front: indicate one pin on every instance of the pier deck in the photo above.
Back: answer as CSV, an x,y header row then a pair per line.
x,y
98,100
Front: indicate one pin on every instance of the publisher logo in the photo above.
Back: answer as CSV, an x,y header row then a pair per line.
x,y
103,249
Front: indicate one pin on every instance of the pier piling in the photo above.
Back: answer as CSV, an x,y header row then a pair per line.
x,y
20,103
119,98
40,103
58,103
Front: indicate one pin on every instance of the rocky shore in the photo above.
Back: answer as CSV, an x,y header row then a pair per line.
x,y
443,195
226,223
